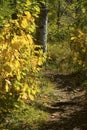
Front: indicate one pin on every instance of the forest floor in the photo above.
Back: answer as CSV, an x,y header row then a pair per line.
x,y
69,110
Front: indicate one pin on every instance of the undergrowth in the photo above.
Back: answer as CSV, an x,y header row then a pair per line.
x,y
29,115
60,57
60,60
24,117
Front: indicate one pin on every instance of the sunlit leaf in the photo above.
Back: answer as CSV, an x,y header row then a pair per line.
x,y
31,97
7,87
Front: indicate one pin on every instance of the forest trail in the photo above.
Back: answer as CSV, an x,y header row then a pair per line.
x,y
69,111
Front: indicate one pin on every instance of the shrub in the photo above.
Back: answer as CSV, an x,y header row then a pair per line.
x,y
78,46
19,64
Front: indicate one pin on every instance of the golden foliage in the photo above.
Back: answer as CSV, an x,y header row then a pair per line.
x,y
79,48
18,62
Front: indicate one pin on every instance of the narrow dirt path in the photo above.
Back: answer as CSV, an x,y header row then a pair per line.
x,y
69,111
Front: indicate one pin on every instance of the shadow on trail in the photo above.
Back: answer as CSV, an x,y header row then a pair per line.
x,y
73,80
69,111
76,121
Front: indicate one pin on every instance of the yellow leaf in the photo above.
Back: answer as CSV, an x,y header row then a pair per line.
x,y
10,94
24,23
80,33
6,87
83,10
25,87
30,39
75,59
34,92
40,62
72,38
24,96
28,3
80,62
31,97
8,82
17,88
17,63
83,65
17,106
28,15
84,50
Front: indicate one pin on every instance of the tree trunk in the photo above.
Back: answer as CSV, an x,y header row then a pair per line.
x,y
41,30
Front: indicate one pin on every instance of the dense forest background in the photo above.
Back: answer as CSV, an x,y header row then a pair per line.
x,y
36,36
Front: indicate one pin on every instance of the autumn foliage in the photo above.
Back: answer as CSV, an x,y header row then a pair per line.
x,y
19,64
78,46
